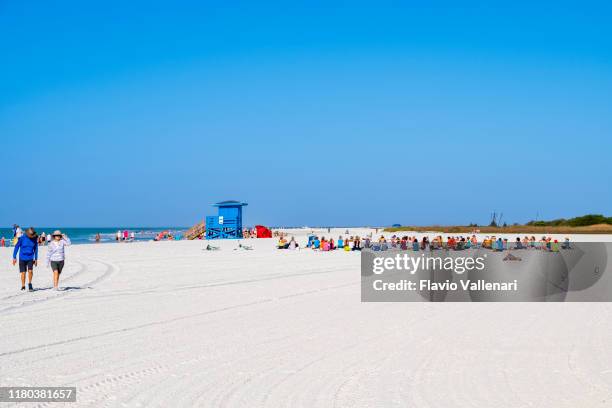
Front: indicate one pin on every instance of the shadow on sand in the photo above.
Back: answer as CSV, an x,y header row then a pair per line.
x,y
61,288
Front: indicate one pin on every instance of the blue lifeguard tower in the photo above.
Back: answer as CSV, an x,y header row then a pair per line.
x,y
228,223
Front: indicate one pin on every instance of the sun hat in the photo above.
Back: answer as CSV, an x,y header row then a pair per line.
x,y
57,233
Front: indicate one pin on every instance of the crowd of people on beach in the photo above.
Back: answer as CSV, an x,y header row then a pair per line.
x,y
457,243
350,243
164,236
125,236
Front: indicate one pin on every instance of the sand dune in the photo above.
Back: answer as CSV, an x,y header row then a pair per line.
x,y
168,324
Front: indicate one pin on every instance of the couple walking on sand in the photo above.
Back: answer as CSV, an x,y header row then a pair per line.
x,y
27,247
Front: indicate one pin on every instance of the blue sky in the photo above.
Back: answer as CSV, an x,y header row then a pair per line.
x,y
315,113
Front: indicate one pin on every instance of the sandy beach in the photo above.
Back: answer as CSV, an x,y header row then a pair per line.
x,y
189,171
167,324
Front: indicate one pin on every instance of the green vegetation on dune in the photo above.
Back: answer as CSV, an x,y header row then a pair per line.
x,y
586,224
583,221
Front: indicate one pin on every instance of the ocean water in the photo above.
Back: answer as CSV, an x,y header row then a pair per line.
x,y
107,235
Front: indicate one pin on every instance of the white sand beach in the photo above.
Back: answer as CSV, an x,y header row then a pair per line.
x,y
167,324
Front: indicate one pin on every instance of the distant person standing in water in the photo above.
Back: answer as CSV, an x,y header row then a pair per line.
x,y
56,255
118,236
98,237
27,247
17,233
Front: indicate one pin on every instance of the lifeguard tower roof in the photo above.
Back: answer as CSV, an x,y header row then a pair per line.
x,y
229,203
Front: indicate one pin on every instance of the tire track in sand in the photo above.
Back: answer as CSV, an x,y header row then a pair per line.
x,y
81,268
83,271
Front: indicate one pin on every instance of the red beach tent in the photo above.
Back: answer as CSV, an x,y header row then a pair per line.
x,y
263,232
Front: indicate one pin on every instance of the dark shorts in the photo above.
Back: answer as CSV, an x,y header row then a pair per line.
x,y
26,265
57,266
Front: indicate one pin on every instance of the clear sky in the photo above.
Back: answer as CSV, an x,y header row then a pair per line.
x,y
351,113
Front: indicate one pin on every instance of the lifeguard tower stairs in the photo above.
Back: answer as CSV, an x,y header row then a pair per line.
x,y
195,232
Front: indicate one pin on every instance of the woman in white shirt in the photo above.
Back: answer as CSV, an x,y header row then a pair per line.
x,y
56,255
